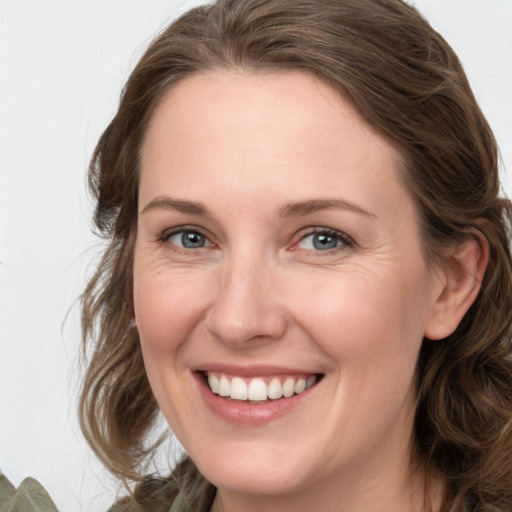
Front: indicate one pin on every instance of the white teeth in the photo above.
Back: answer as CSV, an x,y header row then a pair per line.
x,y
274,389
213,381
257,389
224,386
289,387
300,386
238,389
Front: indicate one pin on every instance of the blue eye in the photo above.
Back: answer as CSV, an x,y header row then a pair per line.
x,y
189,240
323,241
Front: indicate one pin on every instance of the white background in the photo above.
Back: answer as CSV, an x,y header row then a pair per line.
x,y
62,66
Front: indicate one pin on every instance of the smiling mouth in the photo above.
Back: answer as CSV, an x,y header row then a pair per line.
x,y
258,390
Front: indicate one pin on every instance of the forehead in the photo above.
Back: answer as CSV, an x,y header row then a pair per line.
x,y
288,131
248,97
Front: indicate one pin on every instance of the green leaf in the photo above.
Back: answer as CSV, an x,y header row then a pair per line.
x,y
6,488
30,497
6,492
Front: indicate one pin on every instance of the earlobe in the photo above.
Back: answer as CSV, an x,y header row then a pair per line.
x,y
462,275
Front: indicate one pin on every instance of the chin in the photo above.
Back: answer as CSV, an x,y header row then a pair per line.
x,y
256,471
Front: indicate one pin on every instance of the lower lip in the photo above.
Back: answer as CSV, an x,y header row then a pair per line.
x,y
245,413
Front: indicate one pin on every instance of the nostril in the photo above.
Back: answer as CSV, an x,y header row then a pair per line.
x,y
255,326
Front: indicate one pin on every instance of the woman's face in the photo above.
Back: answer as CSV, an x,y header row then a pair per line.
x,y
278,253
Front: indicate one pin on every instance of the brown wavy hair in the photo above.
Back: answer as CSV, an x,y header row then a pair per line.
x,y
405,80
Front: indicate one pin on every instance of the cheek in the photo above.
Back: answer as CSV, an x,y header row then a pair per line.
x,y
377,316
167,306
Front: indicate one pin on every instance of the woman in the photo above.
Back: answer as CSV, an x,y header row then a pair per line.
x,y
308,268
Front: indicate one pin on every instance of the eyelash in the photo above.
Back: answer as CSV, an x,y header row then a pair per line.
x,y
344,240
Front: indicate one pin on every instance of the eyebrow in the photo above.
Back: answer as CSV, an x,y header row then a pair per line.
x,y
302,208
289,209
168,203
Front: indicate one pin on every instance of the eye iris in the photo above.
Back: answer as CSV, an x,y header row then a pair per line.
x,y
192,240
323,242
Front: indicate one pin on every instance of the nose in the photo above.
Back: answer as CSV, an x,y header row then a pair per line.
x,y
246,308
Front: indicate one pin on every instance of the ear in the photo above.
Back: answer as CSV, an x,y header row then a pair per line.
x,y
459,280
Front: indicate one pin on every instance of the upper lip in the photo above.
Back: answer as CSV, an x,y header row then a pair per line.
x,y
256,370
